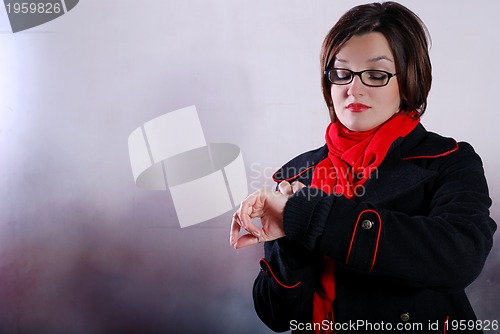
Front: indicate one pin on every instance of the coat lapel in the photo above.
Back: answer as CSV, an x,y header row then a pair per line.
x,y
398,175
392,180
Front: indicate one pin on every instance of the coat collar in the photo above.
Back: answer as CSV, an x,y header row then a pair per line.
x,y
421,144
418,144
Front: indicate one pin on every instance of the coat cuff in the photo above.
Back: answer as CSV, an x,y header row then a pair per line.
x,y
305,216
355,235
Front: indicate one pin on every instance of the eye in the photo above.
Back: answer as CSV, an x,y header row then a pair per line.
x,y
341,75
375,76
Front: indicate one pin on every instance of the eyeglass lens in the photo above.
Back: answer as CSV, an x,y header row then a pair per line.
x,y
368,77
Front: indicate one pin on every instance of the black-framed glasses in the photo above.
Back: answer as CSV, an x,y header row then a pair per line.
x,y
371,78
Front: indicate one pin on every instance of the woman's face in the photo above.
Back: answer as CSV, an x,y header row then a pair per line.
x,y
357,106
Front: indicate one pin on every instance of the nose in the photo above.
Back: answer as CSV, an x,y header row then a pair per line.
x,y
356,87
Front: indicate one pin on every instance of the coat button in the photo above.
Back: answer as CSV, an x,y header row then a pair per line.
x,y
367,224
405,317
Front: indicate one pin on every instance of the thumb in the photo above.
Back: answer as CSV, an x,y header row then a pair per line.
x,y
247,240
296,186
285,188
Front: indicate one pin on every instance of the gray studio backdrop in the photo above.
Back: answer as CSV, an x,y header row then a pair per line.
x,y
84,250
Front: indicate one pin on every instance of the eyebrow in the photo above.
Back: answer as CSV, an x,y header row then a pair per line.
x,y
379,58
371,60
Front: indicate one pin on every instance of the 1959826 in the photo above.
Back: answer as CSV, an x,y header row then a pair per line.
x,y
463,325
33,8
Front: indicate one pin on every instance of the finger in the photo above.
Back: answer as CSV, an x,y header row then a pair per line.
x,y
246,240
235,230
245,214
253,229
236,226
245,210
296,186
285,188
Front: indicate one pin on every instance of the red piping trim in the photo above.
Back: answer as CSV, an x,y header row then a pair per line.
x,y
292,177
352,241
276,279
434,156
354,234
378,239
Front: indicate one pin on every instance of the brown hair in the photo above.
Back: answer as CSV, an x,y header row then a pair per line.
x,y
409,42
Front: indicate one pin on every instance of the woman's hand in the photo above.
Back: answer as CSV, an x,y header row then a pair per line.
x,y
268,206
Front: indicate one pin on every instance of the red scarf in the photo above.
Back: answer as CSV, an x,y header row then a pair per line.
x,y
352,157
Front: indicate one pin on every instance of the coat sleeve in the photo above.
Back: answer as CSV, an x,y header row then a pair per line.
x,y
444,247
283,290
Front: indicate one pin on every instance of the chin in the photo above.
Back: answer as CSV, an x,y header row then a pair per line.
x,y
360,124
357,126
354,122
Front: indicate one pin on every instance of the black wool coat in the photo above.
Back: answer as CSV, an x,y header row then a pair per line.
x,y
405,248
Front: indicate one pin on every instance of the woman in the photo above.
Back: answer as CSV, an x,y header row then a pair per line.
x,y
383,227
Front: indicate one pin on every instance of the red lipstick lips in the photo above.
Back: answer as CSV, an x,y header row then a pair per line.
x,y
357,107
